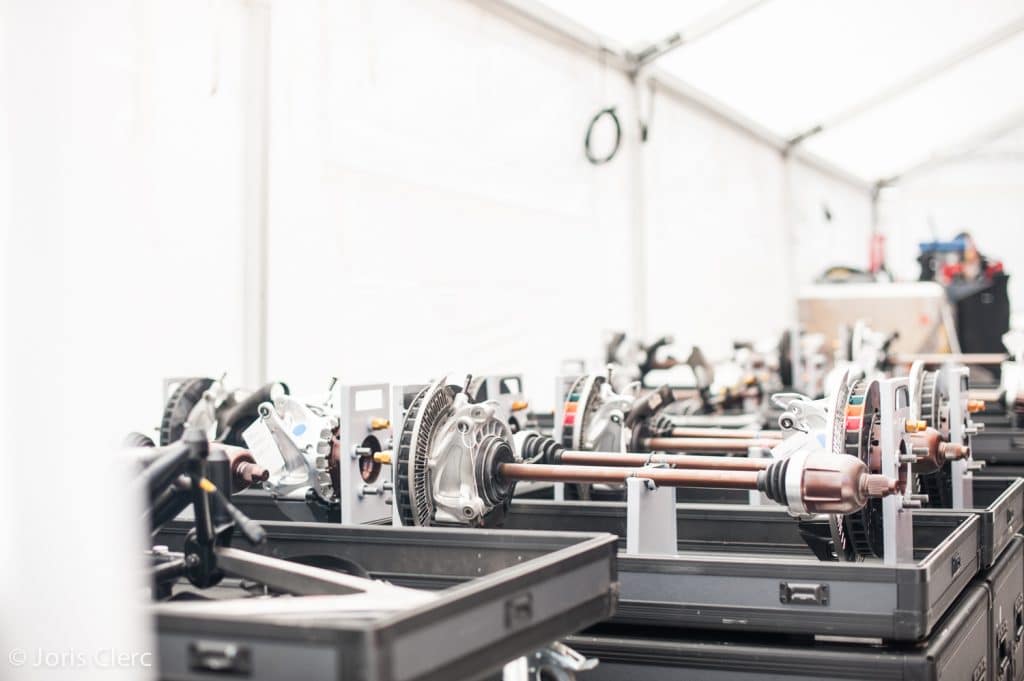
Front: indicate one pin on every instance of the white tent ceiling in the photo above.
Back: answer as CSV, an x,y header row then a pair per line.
x,y
893,83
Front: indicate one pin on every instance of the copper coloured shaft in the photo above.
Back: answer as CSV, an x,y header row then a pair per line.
x,y
959,358
713,463
728,433
665,477
705,444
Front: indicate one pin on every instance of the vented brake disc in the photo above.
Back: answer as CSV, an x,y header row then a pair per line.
x,y
179,405
581,402
449,453
858,535
934,411
420,426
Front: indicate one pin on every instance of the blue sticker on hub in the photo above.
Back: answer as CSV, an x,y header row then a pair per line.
x,y
299,429
821,439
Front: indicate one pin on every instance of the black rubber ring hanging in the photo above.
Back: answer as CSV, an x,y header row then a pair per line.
x,y
590,129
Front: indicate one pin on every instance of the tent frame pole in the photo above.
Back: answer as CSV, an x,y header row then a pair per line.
x,y
703,27
913,81
537,18
255,231
961,149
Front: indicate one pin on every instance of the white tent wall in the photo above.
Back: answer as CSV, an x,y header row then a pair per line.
x,y
122,220
832,223
723,218
386,116
190,130
133,152
715,226
134,155
431,209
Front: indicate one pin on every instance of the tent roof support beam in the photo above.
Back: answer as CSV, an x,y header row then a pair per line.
x,y
546,23
914,80
673,87
963,148
701,28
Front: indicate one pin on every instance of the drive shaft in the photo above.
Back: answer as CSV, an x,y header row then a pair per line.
x,y
706,444
674,460
665,477
934,358
727,433
812,483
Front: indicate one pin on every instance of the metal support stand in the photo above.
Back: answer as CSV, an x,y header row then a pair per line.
x,y
516,670
960,471
897,523
507,391
650,518
789,217
755,497
255,242
638,217
365,430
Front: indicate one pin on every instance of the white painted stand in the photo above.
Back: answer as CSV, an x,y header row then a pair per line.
x,y
650,518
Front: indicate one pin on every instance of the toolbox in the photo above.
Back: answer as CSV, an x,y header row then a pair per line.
x,y
1005,581
999,445
748,569
999,505
501,595
958,650
998,502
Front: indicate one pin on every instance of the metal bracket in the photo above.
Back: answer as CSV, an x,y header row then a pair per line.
x,y
756,497
897,523
507,391
364,408
650,518
960,471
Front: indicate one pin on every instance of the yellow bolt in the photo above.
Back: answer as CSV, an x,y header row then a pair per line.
x,y
379,424
207,486
915,426
974,406
383,457
520,405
